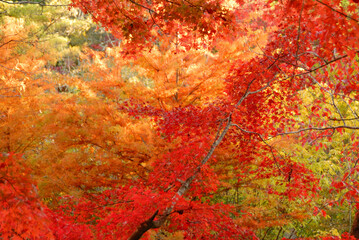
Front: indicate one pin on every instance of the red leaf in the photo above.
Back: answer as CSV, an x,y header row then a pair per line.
x,y
324,213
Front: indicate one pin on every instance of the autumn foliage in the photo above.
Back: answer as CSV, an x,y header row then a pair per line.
x,y
198,126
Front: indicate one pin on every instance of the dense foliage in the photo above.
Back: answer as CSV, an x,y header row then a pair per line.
x,y
224,119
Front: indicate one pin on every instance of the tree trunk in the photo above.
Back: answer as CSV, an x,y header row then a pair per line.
x,y
144,227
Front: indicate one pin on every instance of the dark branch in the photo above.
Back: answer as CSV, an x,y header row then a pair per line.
x,y
316,129
144,227
346,119
41,3
343,14
140,5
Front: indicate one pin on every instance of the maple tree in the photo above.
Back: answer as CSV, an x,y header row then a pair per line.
x,y
202,98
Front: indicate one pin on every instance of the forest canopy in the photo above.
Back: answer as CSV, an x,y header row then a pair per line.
x,y
180,119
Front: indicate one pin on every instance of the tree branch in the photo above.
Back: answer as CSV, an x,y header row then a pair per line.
x,y
144,227
343,14
41,3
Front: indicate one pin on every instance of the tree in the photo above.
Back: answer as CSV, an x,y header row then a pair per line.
x,y
141,22
263,94
21,210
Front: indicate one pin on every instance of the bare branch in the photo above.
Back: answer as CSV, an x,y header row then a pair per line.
x,y
140,5
316,129
41,3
